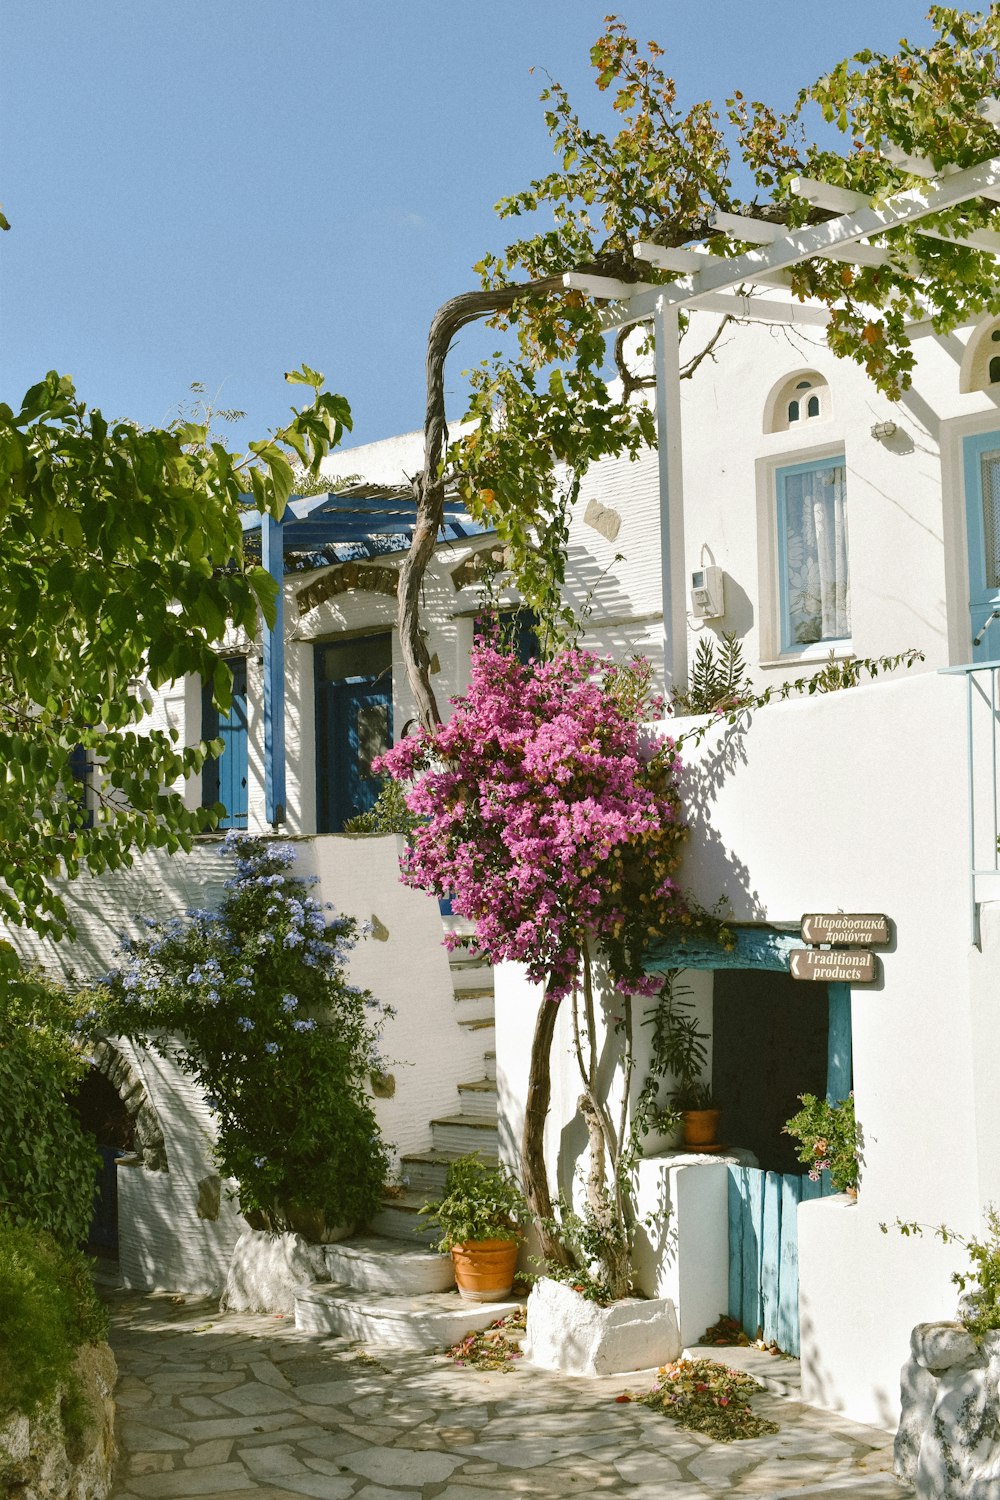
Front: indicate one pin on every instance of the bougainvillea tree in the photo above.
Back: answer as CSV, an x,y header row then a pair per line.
x,y
253,1001
556,828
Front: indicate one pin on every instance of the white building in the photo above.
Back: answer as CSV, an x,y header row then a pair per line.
x,y
841,526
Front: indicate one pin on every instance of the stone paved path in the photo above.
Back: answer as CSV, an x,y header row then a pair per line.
x,y
233,1406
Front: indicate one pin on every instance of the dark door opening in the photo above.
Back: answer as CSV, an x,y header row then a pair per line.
x,y
770,1044
103,1115
353,725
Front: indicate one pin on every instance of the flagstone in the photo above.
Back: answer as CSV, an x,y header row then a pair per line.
x,y
253,1399
272,1462
640,1468
218,1451
319,1486
401,1466
187,1484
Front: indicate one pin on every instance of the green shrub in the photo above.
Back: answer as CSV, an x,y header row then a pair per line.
x,y
48,1308
829,1140
254,1002
47,1160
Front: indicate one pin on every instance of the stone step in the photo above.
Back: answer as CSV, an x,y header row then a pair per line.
x,y
375,1263
490,1059
475,1007
778,1373
479,1098
425,1171
466,992
466,961
399,1218
434,1320
465,1133
477,1023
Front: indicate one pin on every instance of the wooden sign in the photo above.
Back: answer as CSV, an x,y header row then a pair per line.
x,y
833,965
845,928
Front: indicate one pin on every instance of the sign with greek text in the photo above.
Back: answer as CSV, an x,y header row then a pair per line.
x,y
833,965
845,928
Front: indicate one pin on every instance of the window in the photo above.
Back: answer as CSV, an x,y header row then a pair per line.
x,y
797,399
812,553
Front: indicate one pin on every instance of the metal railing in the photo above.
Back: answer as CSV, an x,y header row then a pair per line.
x,y
982,704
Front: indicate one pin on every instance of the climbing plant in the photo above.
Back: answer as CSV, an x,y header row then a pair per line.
x,y
542,411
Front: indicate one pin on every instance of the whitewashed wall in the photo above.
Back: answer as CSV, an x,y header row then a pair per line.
x,y
164,1241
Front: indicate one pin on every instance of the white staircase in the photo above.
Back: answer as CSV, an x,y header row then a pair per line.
x,y
388,1287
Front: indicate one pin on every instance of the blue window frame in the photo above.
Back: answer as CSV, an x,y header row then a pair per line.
x,y
813,575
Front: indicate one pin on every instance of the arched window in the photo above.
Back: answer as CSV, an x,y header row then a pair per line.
x,y
995,369
981,362
804,397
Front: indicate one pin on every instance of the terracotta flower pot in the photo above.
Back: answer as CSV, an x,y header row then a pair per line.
x,y
484,1269
700,1126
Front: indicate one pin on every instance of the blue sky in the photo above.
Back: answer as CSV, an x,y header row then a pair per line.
x,y
216,190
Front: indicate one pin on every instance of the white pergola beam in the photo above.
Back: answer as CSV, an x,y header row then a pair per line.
x,y
605,288
670,257
973,239
825,195
746,306
837,234
762,232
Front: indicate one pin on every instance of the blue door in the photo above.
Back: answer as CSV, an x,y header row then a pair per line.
x,y
225,780
353,726
981,466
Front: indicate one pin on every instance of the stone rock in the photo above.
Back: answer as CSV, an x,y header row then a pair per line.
x,y
938,1346
209,1197
39,1460
268,1269
567,1333
948,1442
603,519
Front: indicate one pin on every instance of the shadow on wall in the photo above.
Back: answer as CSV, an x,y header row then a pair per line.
x,y
711,867
823,1388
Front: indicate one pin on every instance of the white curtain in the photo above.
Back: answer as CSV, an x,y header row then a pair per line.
x,y
817,591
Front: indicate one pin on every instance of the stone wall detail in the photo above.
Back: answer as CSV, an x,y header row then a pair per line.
x,y
39,1461
131,1090
948,1442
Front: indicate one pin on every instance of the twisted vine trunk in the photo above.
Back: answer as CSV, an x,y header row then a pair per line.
x,y
534,1178
429,484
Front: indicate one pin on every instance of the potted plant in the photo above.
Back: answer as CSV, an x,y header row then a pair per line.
x,y
829,1140
698,1112
480,1218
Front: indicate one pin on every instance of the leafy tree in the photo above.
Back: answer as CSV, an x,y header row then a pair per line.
x,y
47,1160
121,562
253,1002
659,178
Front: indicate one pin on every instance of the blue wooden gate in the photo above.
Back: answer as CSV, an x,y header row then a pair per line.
x,y
763,1213
764,1252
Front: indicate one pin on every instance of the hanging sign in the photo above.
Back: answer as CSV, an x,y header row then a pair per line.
x,y
833,965
845,928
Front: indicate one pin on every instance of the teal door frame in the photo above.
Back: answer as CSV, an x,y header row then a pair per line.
x,y
768,948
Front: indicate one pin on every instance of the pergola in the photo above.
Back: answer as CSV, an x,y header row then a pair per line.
x,y
728,280
358,521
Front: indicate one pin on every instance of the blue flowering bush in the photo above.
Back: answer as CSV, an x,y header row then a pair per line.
x,y
254,1003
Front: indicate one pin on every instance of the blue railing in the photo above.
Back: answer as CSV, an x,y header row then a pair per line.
x,y
982,704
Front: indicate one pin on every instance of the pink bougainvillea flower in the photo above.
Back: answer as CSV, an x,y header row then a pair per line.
x,y
549,818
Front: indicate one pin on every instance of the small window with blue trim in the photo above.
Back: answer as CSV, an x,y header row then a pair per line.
x,y
814,582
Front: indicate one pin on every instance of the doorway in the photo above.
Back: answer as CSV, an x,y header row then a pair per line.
x,y
981,468
353,725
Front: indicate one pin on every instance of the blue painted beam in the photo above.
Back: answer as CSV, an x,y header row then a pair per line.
x,y
838,1056
756,948
272,558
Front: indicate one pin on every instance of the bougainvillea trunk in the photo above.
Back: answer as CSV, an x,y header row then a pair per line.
x,y
534,1178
